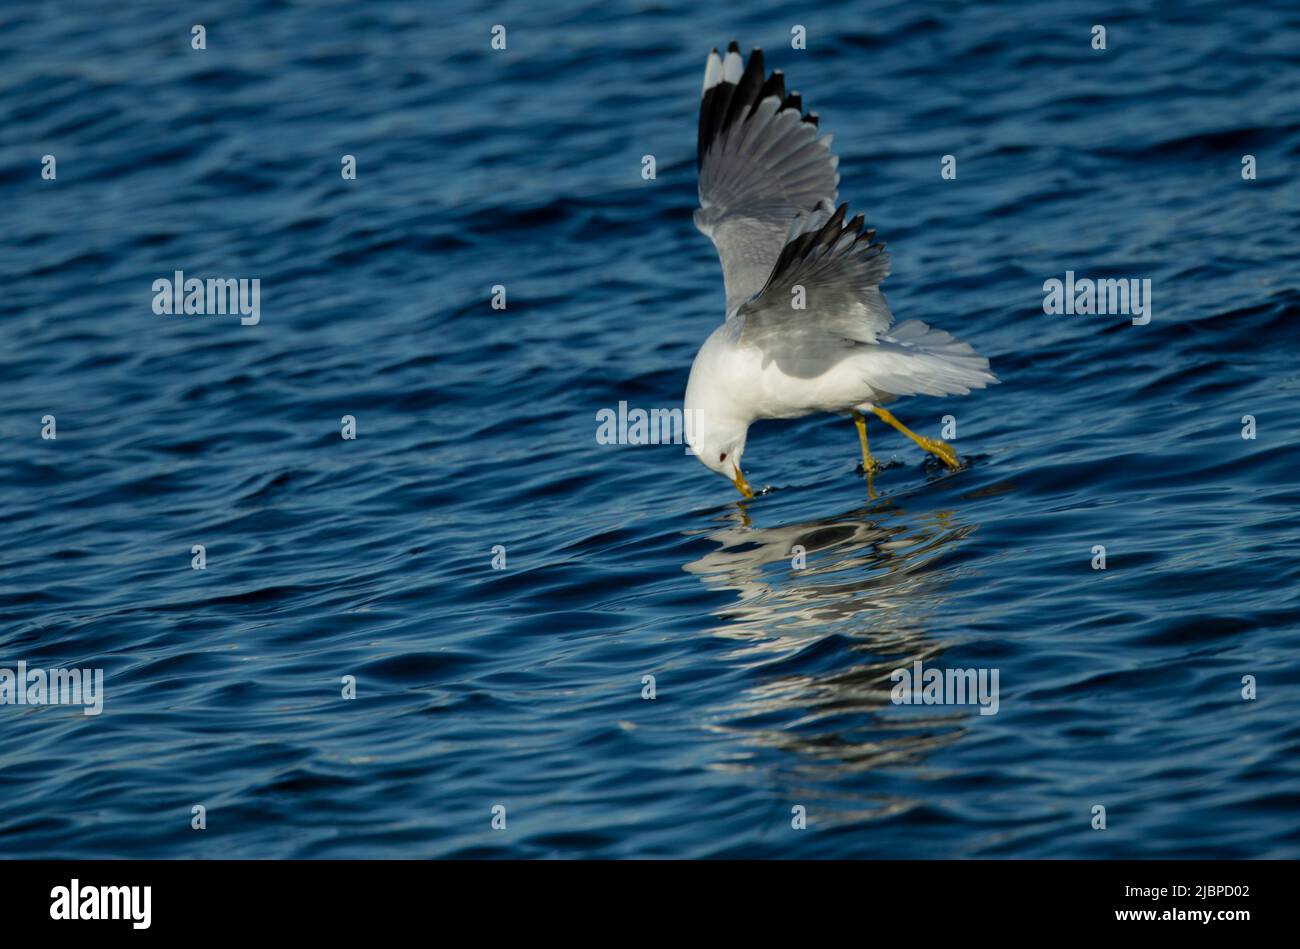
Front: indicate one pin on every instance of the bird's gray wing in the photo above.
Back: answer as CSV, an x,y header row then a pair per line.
x,y
822,297
822,303
760,164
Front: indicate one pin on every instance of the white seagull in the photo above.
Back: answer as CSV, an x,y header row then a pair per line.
x,y
807,327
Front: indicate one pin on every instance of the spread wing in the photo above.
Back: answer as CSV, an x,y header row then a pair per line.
x,y
823,303
823,295
761,164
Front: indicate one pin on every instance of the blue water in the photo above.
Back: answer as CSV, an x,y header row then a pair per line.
x,y
522,687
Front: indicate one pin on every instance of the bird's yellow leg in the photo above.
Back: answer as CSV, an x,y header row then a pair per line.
x,y
935,447
868,463
741,484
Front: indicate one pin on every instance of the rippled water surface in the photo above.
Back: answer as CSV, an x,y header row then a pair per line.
x,y
476,427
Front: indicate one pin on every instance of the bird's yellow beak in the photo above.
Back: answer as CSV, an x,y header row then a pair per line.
x,y
741,484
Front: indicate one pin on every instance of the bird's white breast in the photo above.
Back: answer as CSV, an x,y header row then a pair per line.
x,y
737,381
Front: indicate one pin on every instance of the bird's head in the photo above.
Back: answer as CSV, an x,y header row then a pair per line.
x,y
719,444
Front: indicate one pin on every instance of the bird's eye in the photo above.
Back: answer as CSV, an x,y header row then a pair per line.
x,y
722,457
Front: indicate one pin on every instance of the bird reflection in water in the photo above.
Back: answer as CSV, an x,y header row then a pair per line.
x,y
825,610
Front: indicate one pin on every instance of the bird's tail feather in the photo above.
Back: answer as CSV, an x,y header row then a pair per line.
x,y
915,359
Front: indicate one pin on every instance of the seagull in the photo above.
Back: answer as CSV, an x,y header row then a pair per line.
x,y
807,328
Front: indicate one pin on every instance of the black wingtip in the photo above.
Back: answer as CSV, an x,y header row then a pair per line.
x,y
774,86
728,102
822,239
747,91
830,231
